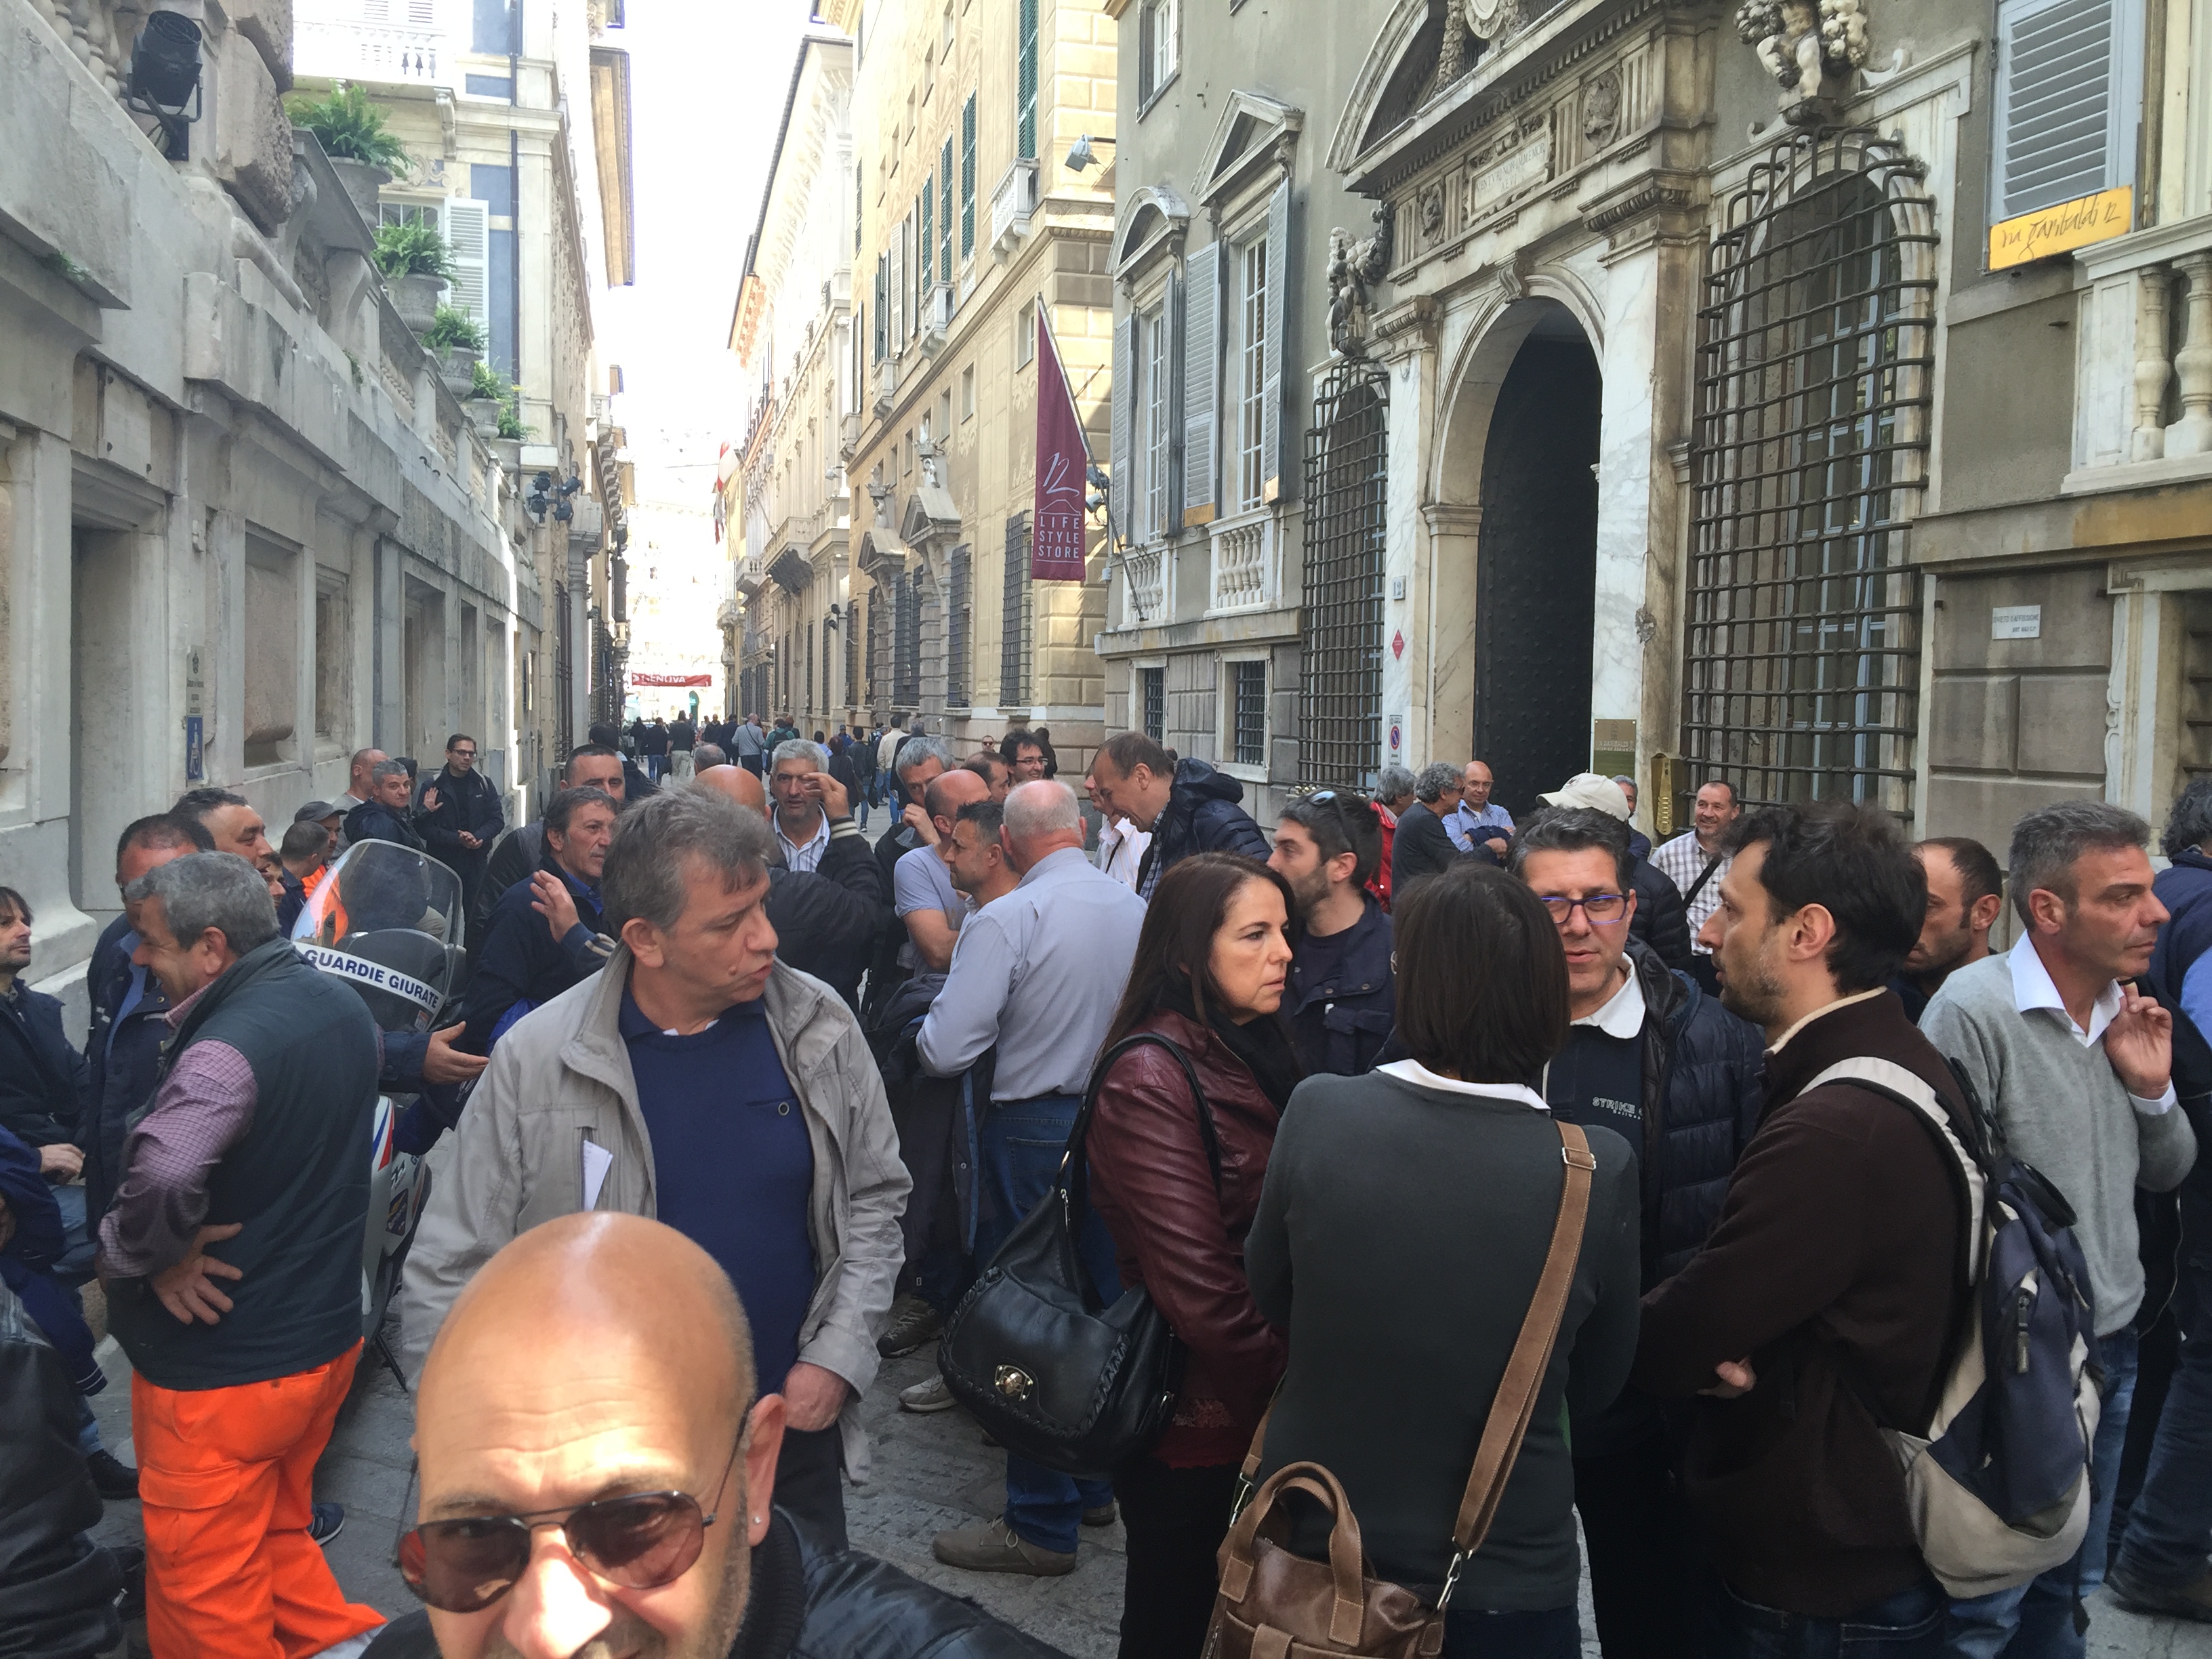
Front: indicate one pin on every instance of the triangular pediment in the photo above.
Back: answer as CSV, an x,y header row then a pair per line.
x,y
1252,128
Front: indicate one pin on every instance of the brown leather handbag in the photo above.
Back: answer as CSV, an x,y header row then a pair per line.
x,y
1276,1604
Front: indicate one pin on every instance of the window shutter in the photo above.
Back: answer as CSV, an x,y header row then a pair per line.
x,y
1147,21
967,177
883,303
927,265
859,201
1025,76
468,233
1276,320
2065,123
1171,319
1124,436
898,286
1201,314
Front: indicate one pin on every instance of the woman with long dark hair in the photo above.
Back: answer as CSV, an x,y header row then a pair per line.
x,y
1209,973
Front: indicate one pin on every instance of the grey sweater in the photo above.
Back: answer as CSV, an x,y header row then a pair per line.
x,y
2064,1110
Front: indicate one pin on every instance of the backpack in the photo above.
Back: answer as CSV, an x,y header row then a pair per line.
x,y
1997,1482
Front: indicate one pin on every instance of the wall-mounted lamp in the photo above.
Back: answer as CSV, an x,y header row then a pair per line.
x,y
544,493
1080,155
165,78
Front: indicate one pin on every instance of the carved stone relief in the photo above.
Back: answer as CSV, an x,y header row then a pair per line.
x,y
1601,108
1811,48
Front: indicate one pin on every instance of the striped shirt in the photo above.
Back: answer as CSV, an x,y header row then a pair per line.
x,y
1683,860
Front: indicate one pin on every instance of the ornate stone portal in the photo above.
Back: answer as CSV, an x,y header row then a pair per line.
x,y
1811,47
1352,267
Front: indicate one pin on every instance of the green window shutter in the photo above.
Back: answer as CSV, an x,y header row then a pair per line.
x,y
944,210
967,177
1026,77
928,238
883,303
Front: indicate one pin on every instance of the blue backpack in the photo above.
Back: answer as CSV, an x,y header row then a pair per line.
x,y
1997,1481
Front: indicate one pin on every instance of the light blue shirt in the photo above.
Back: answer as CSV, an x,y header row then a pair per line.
x,y
1461,825
1039,972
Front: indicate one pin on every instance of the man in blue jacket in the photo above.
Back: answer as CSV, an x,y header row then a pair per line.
x,y
546,933
1186,806
385,815
1650,1056
460,816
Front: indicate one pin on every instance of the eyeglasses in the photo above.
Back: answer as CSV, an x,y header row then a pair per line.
x,y
640,1541
1599,909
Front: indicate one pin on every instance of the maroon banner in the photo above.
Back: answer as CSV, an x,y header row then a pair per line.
x,y
672,679
1062,469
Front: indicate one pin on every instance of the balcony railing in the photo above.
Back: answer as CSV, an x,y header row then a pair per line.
x,y
1243,558
366,52
1012,205
886,384
937,304
750,575
2144,362
1144,602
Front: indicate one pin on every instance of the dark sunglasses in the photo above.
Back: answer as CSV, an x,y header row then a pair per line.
x,y
640,1541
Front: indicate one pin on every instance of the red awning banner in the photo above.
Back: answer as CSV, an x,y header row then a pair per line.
x,y
672,679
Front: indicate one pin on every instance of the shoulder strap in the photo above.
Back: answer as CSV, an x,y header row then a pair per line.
x,y
1909,1089
1075,1170
1704,876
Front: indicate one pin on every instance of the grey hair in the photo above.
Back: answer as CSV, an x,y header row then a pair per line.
x,y
1436,777
1392,782
2188,826
387,768
706,756
1624,779
202,890
644,876
2047,842
921,750
1042,806
799,749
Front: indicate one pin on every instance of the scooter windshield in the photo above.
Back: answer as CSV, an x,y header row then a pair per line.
x,y
388,921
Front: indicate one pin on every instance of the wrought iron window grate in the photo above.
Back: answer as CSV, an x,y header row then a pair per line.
x,y
959,629
1816,346
1249,734
1014,616
1152,690
1347,476
906,643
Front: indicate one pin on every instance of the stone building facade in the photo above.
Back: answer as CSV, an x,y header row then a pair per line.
x,y
245,526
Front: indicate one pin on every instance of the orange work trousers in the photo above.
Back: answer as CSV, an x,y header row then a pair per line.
x,y
226,1481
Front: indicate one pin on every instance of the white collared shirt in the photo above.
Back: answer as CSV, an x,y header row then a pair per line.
x,y
807,854
1622,1016
1412,1071
2033,988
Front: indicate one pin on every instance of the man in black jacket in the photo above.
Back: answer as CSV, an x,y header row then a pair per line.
x,y
1185,806
593,766
1343,989
621,1348
1661,921
43,1086
1650,1056
461,818
384,815
920,761
1422,845
545,934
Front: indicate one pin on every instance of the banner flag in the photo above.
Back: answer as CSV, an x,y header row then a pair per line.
x,y
1056,527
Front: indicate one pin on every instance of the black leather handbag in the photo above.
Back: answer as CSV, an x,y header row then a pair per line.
x,y
1051,1372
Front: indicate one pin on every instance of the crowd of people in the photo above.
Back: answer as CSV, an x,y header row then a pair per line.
x,y
743,1104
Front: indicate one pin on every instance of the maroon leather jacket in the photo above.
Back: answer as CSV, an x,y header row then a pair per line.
x,y
1149,1182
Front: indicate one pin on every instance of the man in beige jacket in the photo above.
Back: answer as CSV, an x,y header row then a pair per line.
x,y
697,1080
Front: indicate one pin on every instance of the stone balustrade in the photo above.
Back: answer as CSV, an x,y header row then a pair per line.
x,y
366,51
1243,576
1144,599
2144,361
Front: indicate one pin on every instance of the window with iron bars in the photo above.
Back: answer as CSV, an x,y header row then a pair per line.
x,y
1014,613
1152,698
1248,691
852,633
879,645
1802,660
906,643
1347,480
959,628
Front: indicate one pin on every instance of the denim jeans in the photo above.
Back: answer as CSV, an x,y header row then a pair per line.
x,y
2035,1621
2169,1531
1906,1625
1021,1145
78,1245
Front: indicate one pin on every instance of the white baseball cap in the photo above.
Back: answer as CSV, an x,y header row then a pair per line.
x,y
1592,791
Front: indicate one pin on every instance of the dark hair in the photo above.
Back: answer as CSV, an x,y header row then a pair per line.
x,y
1853,862
1175,949
2189,825
459,737
987,816
14,906
982,761
562,808
1011,745
607,734
588,751
1735,798
1340,821
1577,829
1130,749
304,840
162,830
199,804
1978,875
2047,842
1482,979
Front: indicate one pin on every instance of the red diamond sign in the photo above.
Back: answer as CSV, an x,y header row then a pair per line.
x,y
1397,645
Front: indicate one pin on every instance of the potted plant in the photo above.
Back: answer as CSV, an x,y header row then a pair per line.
x,y
352,133
416,264
509,434
486,393
457,343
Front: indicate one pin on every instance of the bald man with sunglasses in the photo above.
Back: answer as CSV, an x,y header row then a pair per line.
x,y
598,1479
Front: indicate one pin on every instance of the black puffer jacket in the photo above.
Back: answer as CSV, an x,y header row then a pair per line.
x,y
808,1602
1202,816
827,920
1662,920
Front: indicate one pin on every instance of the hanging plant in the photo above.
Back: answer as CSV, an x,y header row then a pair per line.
x,y
351,129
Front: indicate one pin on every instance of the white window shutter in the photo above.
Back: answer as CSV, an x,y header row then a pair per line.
x,y
1124,437
1278,318
2067,103
1171,319
1201,338
898,288
468,233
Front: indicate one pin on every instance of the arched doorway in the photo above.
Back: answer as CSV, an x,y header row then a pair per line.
x,y
1536,564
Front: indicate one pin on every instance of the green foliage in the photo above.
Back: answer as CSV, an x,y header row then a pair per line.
x,y
413,251
451,329
510,415
488,383
351,129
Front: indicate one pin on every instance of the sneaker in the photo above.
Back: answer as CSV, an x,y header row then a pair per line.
x,y
913,1323
1104,1516
929,1395
994,1547
114,1478
2139,1594
329,1521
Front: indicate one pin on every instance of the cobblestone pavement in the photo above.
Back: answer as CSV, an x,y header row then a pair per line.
x,y
930,1472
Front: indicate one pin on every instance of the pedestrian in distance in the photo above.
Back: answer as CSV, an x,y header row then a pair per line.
x,y
1649,1056
1696,861
385,815
1186,806
461,818
1479,821
1210,978
550,932
1965,895
1638,843
1402,1300
748,742
1824,1300
1023,754
1422,845
1342,990
699,1079
706,756
2074,1061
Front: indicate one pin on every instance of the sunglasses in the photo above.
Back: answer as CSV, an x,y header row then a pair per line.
x,y
640,1541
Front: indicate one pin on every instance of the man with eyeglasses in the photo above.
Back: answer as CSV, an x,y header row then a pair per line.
x,y
1650,1056
597,1477
460,816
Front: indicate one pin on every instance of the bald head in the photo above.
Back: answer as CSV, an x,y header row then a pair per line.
x,y
739,785
948,792
1041,818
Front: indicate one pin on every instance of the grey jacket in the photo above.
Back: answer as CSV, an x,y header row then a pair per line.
x,y
561,1078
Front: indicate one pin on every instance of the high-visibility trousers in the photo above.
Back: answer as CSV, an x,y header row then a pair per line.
x,y
226,1481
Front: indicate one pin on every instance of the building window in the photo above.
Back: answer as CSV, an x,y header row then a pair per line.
x,y
1247,707
968,393
2068,100
1156,49
1340,665
1025,82
1014,616
1250,369
879,646
1152,692
967,177
859,201
926,247
906,644
1801,663
959,628
1025,335
944,212
1152,432
851,629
